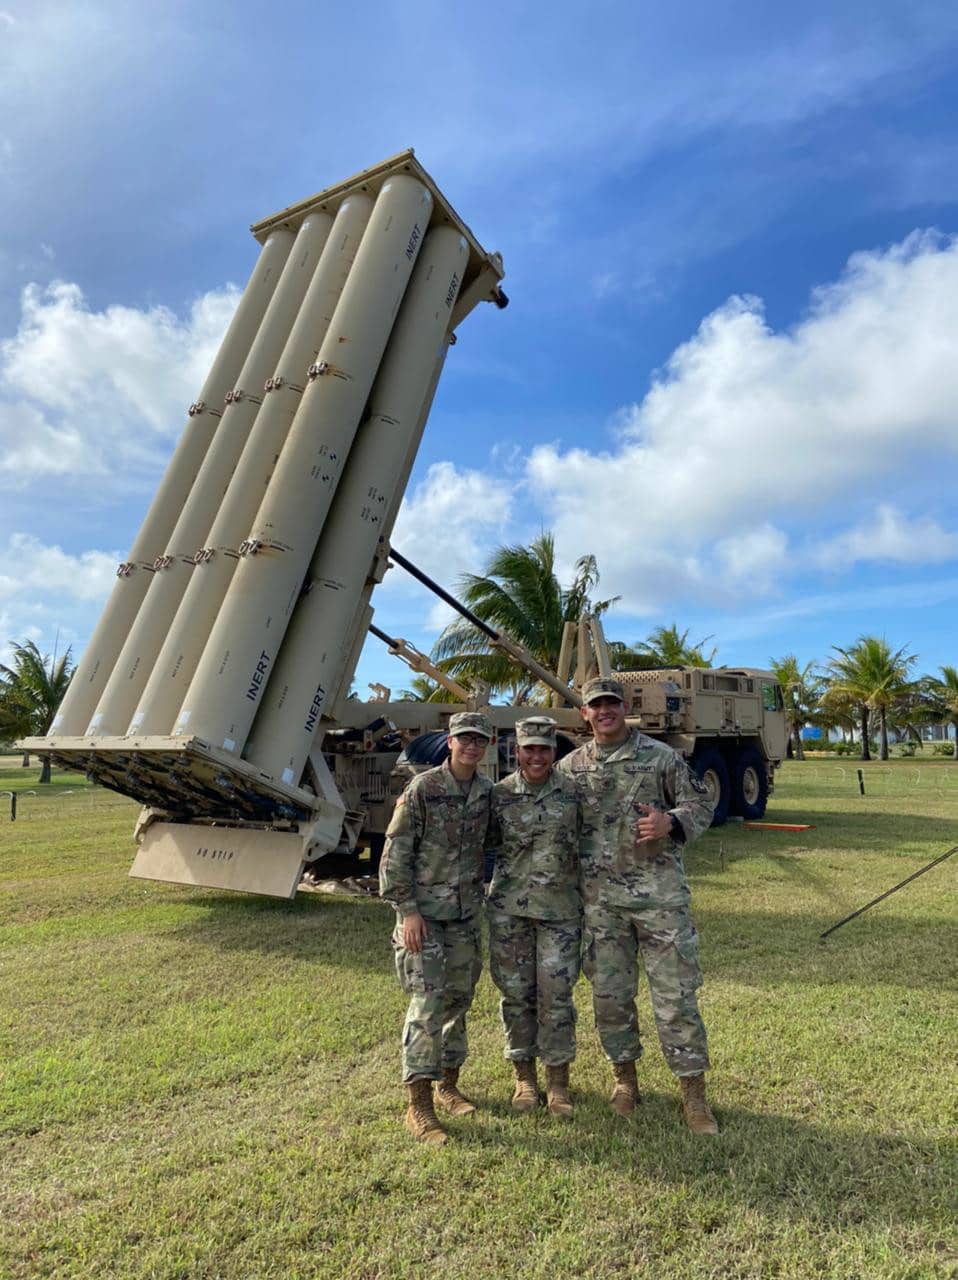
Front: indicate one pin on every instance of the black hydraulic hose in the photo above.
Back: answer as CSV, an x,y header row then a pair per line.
x,y
888,892
443,594
381,635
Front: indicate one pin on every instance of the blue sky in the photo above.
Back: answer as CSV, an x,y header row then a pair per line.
x,y
730,364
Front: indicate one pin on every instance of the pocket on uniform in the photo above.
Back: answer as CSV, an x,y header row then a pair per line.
x,y
409,969
690,970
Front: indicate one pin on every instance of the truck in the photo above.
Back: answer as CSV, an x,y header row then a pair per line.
x,y
215,689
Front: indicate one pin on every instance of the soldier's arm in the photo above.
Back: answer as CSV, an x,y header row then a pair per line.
x,y
688,798
397,878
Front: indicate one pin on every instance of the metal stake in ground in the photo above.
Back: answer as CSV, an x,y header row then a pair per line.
x,y
888,892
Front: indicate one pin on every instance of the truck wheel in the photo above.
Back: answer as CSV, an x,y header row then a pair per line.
x,y
712,769
751,785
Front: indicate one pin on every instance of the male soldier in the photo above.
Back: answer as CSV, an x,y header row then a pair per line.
x,y
641,803
431,871
534,913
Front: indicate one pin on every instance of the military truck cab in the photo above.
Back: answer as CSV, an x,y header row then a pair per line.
x,y
729,722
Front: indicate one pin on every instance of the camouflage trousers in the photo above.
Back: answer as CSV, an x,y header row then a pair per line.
x,y
535,964
615,937
440,981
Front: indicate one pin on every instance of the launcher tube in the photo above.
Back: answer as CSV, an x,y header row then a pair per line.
x,y
215,563
238,659
174,568
134,576
309,666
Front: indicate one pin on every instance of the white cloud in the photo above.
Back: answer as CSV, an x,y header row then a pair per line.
x,y
31,565
748,431
100,392
754,557
891,537
446,527
44,589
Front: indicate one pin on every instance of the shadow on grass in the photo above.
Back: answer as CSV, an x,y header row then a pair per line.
x,y
756,948
777,1165
332,930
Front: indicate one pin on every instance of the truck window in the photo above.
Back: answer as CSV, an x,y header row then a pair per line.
x,y
771,697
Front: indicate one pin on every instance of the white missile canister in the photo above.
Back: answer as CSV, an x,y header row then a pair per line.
x,y
215,563
135,574
310,662
172,570
226,689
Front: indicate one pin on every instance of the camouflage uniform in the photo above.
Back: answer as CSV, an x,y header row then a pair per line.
x,y
534,914
432,864
636,897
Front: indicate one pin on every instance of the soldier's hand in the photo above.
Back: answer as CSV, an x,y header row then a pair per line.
x,y
653,825
413,933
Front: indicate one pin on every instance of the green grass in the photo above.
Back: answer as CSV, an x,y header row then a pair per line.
x,y
195,1084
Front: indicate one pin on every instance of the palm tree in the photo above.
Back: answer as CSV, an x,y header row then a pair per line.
x,y
31,689
422,689
943,694
874,678
671,648
801,689
520,594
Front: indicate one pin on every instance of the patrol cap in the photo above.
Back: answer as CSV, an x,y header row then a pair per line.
x,y
536,731
602,687
469,722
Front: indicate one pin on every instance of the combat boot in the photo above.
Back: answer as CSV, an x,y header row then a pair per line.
x,y
420,1116
525,1096
698,1113
557,1091
449,1097
626,1092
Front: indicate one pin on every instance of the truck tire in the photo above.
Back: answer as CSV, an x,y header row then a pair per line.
x,y
710,766
751,785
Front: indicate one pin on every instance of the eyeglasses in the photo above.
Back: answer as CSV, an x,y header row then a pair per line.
x,y
471,739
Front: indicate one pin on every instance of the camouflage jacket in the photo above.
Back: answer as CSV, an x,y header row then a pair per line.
x,y
535,831
612,784
433,859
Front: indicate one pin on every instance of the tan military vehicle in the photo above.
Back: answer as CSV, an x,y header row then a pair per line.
x,y
728,721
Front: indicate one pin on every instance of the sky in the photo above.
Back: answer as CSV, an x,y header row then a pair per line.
x,y
729,367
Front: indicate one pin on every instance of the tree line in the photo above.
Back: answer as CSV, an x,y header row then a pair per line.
x,y
520,593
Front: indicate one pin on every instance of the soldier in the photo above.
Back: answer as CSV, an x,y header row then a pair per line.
x,y
534,914
431,872
640,804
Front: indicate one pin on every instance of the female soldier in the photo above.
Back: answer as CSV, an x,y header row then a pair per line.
x,y
534,912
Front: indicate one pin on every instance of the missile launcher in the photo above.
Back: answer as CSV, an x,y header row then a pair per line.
x,y
246,594
215,689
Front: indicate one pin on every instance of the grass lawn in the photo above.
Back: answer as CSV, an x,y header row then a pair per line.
x,y
195,1084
